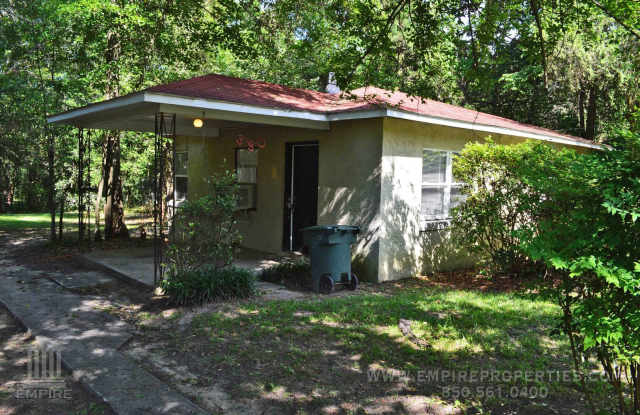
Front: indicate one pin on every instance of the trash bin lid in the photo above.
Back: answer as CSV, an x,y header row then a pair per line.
x,y
332,228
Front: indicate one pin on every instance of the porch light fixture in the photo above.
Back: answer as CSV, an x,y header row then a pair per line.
x,y
197,123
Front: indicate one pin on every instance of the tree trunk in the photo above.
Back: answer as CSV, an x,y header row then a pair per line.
x,y
60,222
474,48
536,10
98,234
590,131
51,182
100,192
581,98
10,193
629,115
113,208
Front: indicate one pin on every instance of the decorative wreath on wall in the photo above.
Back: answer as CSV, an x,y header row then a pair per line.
x,y
258,143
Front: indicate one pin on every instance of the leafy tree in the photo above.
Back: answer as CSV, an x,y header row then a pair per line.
x,y
531,61
589,238
128,45
32,37
593,72
498,203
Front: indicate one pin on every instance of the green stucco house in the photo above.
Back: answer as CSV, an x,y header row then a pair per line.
x,y
378,159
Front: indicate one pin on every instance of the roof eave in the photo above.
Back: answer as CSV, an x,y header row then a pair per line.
x,y
395,113
193,106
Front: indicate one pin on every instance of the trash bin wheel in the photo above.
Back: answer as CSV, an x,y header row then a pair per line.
x,y
326,284
353,283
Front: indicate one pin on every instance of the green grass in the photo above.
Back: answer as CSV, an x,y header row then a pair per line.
x,y
465,330
24,221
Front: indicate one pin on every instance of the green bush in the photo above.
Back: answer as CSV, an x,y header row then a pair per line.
x,y
209,283
204,230
498,202
588,236
295,274
577,215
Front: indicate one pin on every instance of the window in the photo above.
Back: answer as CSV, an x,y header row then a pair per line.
x,y
247,173
440,190
182,178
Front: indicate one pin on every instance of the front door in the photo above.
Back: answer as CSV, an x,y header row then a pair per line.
x,y
301,192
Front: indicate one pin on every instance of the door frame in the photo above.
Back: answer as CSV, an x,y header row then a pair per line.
x,y
289,175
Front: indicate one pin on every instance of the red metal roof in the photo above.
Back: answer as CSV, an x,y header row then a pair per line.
x,y
265,94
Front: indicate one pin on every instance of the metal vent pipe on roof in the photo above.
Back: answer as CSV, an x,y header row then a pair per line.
x,y
332,85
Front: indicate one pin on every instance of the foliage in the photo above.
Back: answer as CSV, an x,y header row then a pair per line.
x,y
530,61
589,237
209,283
594,78
67,53
581,222
497,201
295,273
205,229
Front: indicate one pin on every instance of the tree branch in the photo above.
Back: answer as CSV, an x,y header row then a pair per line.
x,y
392,17
617,19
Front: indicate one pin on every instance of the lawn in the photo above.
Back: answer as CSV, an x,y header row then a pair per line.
x,y
478,350
29,221
24,221
348,354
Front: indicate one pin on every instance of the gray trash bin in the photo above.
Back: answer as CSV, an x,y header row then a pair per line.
x,y
330,251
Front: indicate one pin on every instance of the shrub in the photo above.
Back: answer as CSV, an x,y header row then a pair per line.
x,y
589,238
577,215
209,283
204,230
498,202
295,274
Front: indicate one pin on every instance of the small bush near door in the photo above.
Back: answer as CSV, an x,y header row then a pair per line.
x,y
204,243
208,283
204,230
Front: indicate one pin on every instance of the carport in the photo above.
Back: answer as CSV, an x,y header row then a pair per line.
x,y
186,108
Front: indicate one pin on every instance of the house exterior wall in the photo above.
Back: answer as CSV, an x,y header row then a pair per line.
x,y
370,175
348,182
406,249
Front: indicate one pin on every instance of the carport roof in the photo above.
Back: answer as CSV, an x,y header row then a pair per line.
x,y
227,99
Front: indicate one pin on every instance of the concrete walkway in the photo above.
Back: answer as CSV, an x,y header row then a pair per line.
x,y
135,265
87,338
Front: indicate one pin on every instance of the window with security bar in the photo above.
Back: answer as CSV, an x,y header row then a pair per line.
x,y
440,190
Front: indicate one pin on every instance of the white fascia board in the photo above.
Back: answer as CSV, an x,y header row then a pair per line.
x,y
303,119
98,107
486,128
356,115
394,113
